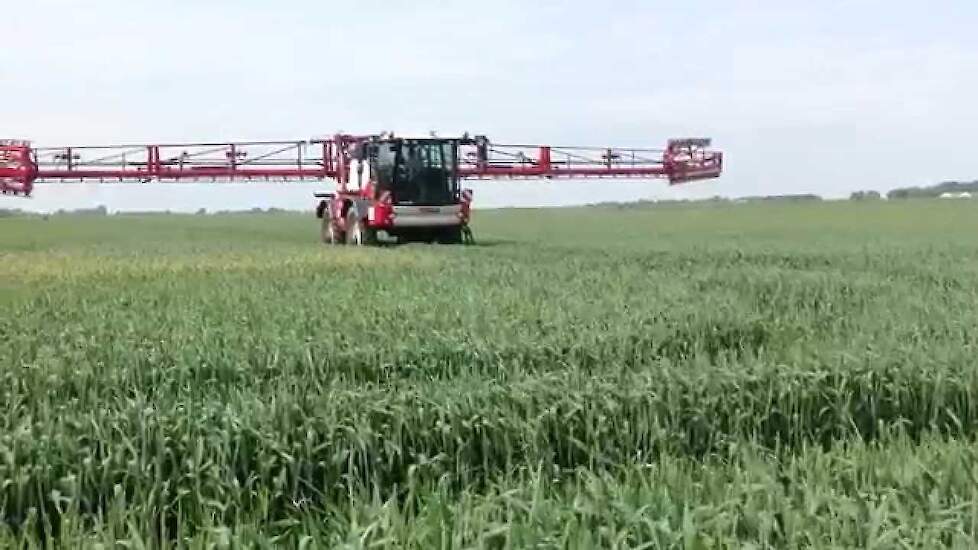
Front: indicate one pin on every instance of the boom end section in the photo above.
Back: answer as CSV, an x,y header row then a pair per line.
x,y
690,159
17,168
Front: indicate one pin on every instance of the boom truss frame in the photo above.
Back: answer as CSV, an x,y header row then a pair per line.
x,y
21,165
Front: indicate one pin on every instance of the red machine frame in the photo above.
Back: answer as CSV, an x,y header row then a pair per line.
x,y
21,165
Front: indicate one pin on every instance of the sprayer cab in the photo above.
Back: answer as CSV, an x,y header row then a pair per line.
x,y
419,172
406,187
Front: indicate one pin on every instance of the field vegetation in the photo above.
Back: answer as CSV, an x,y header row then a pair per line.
x,y
766,375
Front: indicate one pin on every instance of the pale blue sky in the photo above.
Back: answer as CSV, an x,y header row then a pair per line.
x,y
822,97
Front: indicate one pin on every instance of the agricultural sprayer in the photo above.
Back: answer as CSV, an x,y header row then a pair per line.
x,y
406,187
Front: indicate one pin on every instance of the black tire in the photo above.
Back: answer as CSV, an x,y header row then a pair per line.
x,y
357,232
450,235
329,233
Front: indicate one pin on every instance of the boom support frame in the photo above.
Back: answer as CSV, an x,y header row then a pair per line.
x,y
21,165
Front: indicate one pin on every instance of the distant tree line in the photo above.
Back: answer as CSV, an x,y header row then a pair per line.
x,y
646,203
934,190
99,210
804,197
102,210
718,200
865,196
17,212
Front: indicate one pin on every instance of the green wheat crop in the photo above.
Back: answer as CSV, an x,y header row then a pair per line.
x,y
674,377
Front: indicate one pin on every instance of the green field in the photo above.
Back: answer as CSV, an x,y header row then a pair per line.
x,y
795,375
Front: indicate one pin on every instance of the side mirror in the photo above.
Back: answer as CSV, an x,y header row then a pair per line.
x,y
359,151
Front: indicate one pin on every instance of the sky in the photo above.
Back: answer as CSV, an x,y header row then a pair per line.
x,y
803,97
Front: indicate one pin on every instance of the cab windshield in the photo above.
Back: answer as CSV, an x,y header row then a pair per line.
x,y
425,173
